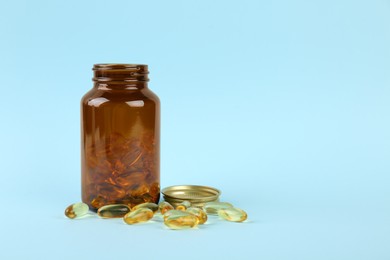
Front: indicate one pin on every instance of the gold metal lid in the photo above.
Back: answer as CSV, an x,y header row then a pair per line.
x,y
192,193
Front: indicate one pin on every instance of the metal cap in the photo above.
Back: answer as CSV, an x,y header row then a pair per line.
x,y
196,194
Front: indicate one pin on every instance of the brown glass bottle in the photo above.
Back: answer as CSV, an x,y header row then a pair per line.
x,y
120,137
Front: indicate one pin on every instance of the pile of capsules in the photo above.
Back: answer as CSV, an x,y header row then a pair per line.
x,y
121,169
184,216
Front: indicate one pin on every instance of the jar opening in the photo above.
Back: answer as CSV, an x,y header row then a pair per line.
x,y
118,72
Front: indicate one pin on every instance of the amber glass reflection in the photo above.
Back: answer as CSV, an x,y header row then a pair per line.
x,y
120,138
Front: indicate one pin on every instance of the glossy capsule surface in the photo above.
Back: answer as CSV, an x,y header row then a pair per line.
x,y
199,213
213,207
183,205
164,207
177,221
176,213
148,205
138,216
113,211
76,210
233,214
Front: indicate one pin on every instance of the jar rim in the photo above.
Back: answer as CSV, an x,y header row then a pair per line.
x,y
119,73
113,66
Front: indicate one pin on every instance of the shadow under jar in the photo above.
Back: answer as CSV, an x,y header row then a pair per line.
x,y
120,138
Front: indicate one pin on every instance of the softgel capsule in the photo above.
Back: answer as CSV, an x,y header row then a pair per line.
x,y
183,205
164,207
181,221
113,211
213,207
138,216
76,210
148,205
199,213
233,214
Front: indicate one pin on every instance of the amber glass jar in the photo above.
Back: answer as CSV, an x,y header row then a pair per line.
x,y
120,137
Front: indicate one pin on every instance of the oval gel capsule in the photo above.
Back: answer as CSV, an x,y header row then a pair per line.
x,y
76,210
138,216
233,214
199,213
113,211
178,221
176,213
164,207
213,207
183,205
148,205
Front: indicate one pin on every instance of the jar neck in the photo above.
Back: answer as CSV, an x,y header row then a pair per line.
x,y
124,86
120,76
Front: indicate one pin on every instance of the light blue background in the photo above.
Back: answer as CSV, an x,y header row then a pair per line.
x,y
283,105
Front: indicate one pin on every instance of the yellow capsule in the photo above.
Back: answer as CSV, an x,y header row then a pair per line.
x,y
177,221
76,210
183,205
233,214
113,211
176,213
213,207
138,216
199,213
164,207
148,205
